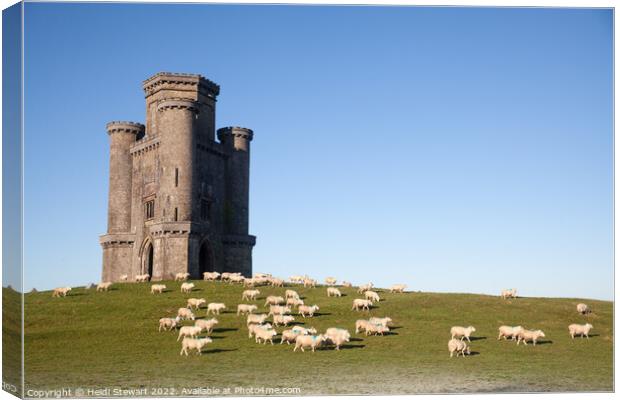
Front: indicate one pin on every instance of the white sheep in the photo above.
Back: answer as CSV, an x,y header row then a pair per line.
x,y
185,313
195,303
526,335
330,280
256,318
308,310
361,325
337,336
61,291
250,294
372,296
332,291
207,325
289,336
509,332
398,288
461,332
215,308
279,310
583,309
197,344
376,329
246,309
304,331
157,288
104,286
123,277
509,293
365,287
313,342
291,294
253,327
458,346
347,284
293,302
386,321
274,300
576,329
189,331
264,335
236,279
361,304
210,276
309,282
282,320
276,282
181,276
296,279
168,324
142,278
187,287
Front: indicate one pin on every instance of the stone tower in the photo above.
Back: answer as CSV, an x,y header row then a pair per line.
x,y
178,198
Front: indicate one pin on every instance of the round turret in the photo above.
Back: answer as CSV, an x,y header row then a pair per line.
x,y
236,136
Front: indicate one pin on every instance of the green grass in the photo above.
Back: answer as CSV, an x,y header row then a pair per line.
x,y
91,339
11,339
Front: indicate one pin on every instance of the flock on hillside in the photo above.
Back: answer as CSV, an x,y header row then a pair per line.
x,y
280,311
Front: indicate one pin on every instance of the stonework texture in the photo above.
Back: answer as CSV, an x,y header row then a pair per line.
x,y
178,197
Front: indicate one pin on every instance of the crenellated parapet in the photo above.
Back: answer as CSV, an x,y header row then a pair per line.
x,y
236,137
178,104
125,127
180,82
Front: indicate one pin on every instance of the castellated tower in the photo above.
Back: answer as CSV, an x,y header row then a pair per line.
x,y
178,198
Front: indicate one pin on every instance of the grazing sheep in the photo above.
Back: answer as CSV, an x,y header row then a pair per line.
x,y
264,335
157,288
274,300
461,332
210,276
195,303
250,294
313,342
189,331
236,279
289,336
372,296
361,325
347,284
215,308
361,304
304,331
253,327
261,275
330,280
307,310
399,288
256,318
376,329
332,291
123,277
276,282
181,276
296,279
168,324
104,286
197,344
509,293
337,336
309,282
207,325
365,287
293,302
187,287
533,336
291,294
185,313
282,320
61,291
458,346
246,309
576,329
142,278
227,275
509,332
583,309
386,321
279,310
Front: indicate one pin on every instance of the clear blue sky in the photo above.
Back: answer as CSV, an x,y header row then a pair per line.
x,y
452,149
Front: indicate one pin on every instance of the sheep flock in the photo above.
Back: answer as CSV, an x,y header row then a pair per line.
x,y
277,310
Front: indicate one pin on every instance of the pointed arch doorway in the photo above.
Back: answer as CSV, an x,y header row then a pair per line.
x,y
205,258
147,258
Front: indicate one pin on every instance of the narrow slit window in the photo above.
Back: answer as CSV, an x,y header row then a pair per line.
x,y
149,209
176,177
176,214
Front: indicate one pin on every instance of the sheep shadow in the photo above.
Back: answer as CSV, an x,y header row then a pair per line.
x,y
216,337
473,353
393,328
321,314
474,338
214,351
225,329
543,342
354,339
351,346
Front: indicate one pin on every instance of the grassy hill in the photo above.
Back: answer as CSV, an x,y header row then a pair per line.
x,y
91,339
